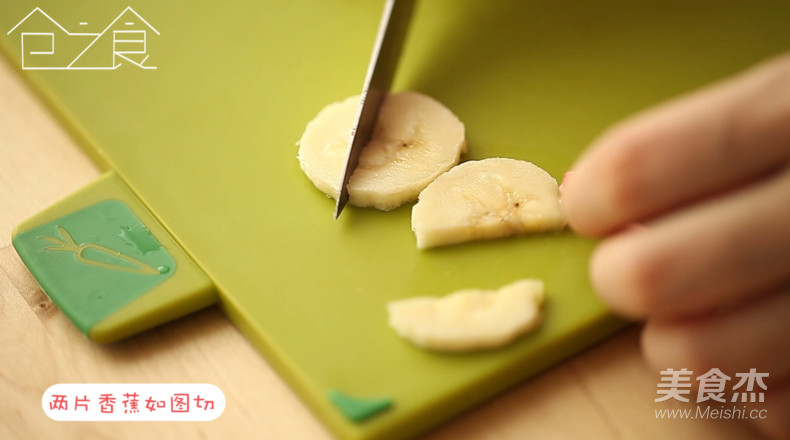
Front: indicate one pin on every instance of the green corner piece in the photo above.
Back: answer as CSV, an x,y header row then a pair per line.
x,y
108,264
358,409
94,261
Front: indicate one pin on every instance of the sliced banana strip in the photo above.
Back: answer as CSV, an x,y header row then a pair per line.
x,y
415,140
469,319
483,199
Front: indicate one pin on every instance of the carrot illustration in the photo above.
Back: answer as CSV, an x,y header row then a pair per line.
x,y
68,244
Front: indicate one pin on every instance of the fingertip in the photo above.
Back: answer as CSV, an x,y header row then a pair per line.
x,y
579,200
668,344
650,344
660,350
610,272
598,191
610,184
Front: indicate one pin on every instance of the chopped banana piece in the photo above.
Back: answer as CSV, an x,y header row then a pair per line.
x,y
415,140
483,199
469,319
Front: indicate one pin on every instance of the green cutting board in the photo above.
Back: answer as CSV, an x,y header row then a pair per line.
x,y
203,189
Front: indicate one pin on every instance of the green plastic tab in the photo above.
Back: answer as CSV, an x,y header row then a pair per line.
x,y
85,263
358,409
108,264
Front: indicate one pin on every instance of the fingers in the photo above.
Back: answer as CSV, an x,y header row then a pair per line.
x,y
683,151
709,177
759,331
753,336
705,257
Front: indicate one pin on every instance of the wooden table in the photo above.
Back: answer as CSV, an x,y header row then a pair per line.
x,y
606,392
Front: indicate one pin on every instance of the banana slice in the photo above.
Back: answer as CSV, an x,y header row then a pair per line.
x,y
483,199
469,319
415,140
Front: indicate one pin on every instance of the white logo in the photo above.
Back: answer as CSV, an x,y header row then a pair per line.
x,y
676,384
46,45
712,387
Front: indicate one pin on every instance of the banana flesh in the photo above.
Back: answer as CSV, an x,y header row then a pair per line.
x,y
415,139
484,199
470,319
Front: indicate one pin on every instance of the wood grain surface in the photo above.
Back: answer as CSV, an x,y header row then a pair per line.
x,y
605,392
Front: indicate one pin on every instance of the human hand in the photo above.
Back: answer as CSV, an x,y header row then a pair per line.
x,y
692,200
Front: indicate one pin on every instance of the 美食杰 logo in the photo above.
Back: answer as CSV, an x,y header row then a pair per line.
x,y
47,45
741,400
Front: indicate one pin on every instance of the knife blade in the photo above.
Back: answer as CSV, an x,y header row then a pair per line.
x,y
381,70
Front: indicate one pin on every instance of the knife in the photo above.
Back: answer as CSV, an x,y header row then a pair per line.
x,y
386,51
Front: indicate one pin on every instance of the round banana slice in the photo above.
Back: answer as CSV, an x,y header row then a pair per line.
x,y
489,198
415,140
469,319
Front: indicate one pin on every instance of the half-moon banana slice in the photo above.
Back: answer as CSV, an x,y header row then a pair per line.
x,y
487,198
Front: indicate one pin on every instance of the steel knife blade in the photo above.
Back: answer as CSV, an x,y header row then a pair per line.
x,y
381,70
